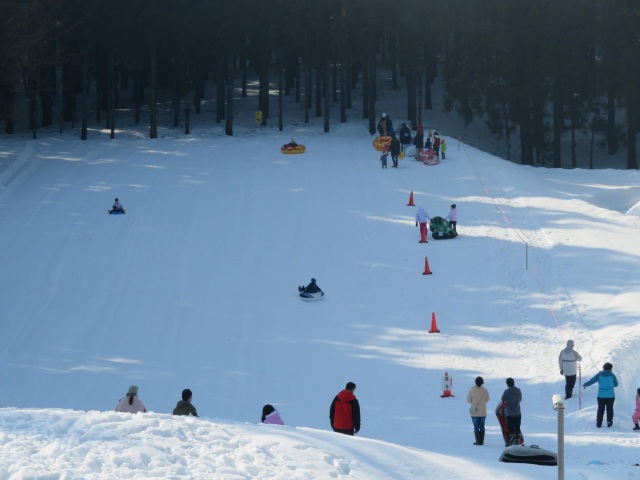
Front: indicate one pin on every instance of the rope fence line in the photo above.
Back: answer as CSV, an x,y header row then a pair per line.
x,y
518,232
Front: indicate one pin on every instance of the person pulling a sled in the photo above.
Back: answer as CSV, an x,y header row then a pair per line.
x,y
311,288
117,207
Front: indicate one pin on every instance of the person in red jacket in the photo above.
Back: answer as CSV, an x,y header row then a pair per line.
x,y
345,411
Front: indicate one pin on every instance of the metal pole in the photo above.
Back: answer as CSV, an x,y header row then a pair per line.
x,y
560,440
526,256
579,387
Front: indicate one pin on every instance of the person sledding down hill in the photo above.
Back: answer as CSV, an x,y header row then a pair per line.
x,y
117,207
311,288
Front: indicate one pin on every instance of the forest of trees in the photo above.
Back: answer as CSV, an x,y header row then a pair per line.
x,y
533,70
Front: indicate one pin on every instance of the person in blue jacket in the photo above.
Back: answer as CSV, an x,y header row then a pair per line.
x,y
607,381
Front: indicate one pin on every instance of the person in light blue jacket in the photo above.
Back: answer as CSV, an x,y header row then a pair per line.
x,y
607,381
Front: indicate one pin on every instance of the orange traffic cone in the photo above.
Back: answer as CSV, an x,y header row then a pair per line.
x,y
426,267
434,324
411,204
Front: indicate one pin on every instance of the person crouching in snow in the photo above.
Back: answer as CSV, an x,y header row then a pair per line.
x,y
271,416
452,218
421,219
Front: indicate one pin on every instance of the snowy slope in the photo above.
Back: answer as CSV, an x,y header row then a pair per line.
x,y
196,287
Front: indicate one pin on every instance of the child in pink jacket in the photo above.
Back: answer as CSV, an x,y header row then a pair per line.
x,y
636,414
271,416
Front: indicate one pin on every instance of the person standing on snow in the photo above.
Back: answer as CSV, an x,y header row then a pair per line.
x,y
395,150
418,141
568,363
436,143
607,381
384,156
513,396
131,403
636,414
405,136
478,397
443,148
344,413
184,406
421,219
453,217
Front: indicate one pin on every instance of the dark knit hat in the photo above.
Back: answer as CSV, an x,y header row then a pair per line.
x,y
133,390
479,381
350,386
607,366
186,394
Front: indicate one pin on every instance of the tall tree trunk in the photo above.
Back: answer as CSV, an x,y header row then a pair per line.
x,y
153,84
612,140
228,124
557,125
343,93
281,86
326,97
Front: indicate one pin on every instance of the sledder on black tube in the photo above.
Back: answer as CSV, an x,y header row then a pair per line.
x,y
311,292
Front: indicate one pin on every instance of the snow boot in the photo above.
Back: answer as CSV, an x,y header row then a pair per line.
x,y
477,435
481,438
637,427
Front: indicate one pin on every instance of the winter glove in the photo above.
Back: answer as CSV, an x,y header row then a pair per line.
x,y
561,372
416,224
584,386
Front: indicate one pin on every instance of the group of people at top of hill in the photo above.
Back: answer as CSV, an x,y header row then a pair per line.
x,y
432,142
344,412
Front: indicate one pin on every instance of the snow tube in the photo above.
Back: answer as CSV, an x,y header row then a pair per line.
x,y
429,157
382,142
532,454
410,151
117,212
311,297
441,229
288,148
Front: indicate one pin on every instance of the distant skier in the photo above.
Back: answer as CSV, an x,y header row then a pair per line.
x,y
117,207
311,288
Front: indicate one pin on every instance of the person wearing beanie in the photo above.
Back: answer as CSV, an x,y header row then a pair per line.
x,y
568,363
311,288
607,382
452,218
478,397
270,415
513,396
636,414
184,406
344,413
131,403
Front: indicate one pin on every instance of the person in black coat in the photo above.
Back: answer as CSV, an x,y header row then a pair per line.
x,y
395,151
418,140
405,136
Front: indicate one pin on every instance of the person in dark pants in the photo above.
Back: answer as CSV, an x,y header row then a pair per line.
x,y
607,381
395,151
568,363
344,412
513,396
